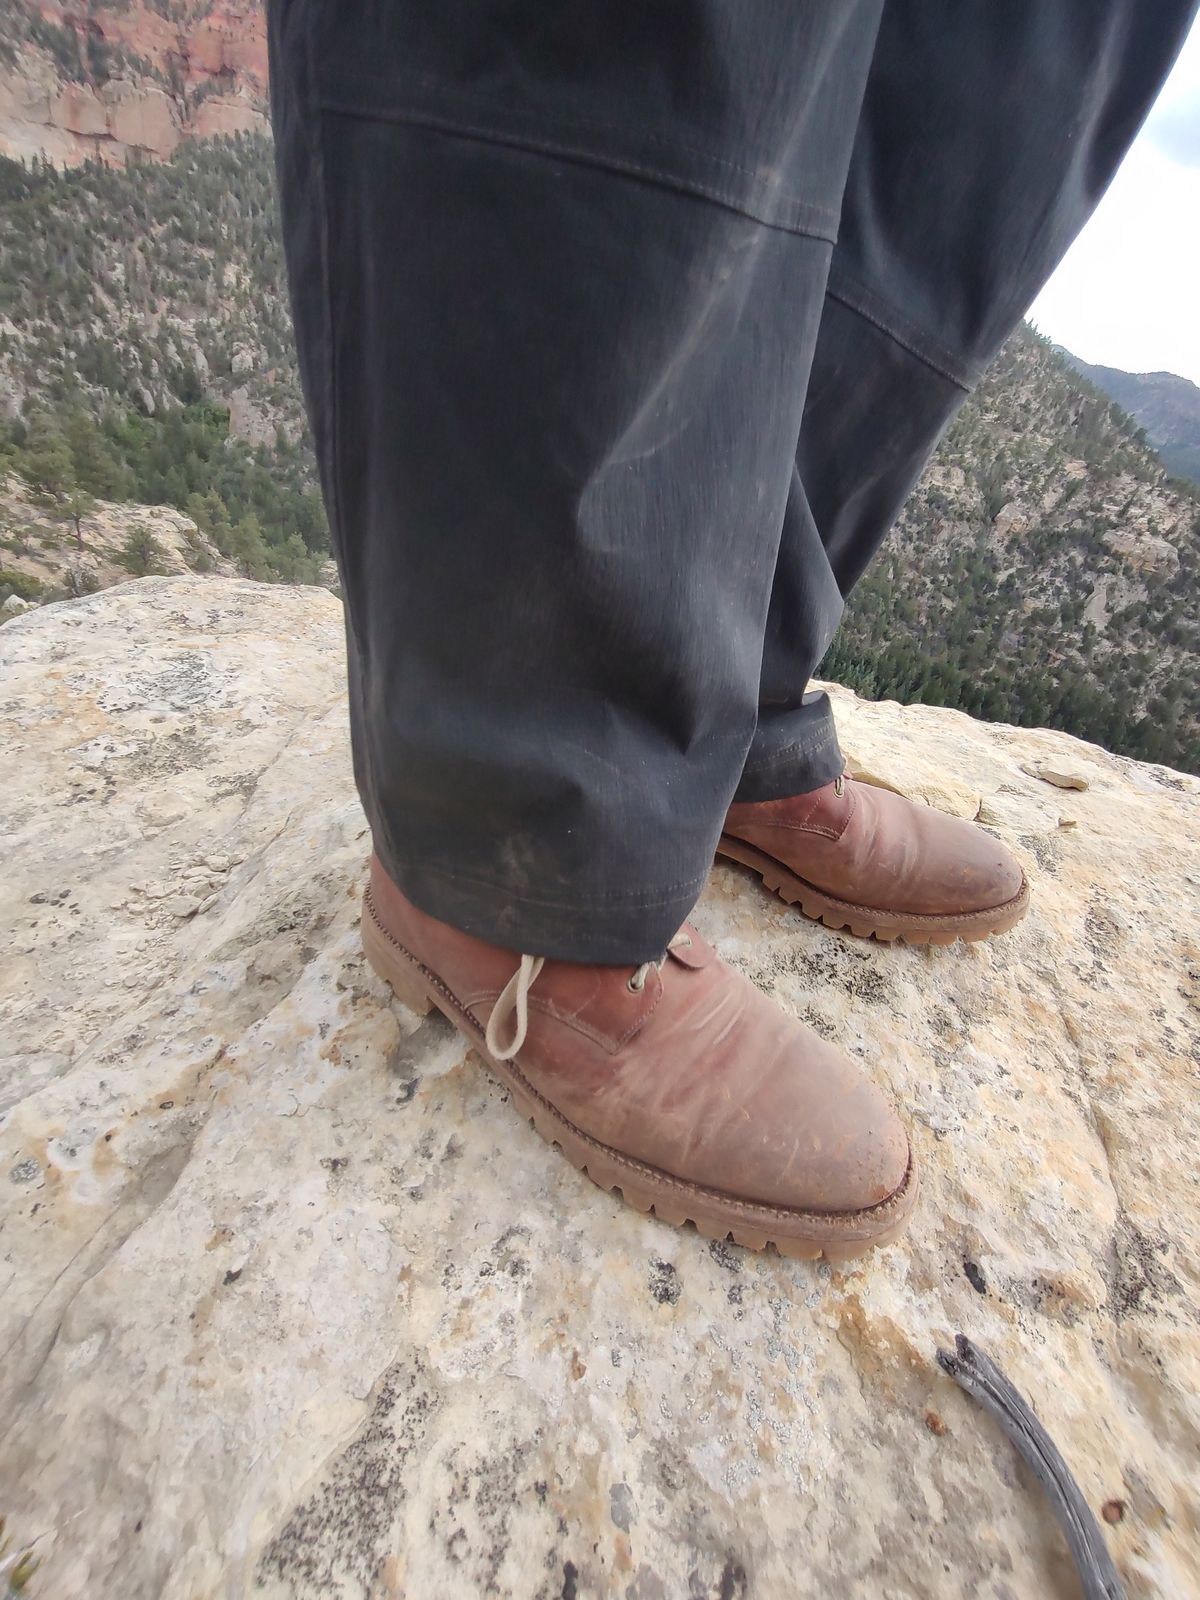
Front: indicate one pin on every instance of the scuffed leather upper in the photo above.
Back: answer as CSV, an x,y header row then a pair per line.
x,y
699,1074
871,847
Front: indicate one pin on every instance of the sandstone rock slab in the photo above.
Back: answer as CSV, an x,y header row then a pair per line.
x,y
294,1304
1056,773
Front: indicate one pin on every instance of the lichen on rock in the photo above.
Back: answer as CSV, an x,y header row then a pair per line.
x,y
295,1305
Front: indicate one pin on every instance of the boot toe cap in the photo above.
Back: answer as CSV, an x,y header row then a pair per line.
x,y
991,875
863,1159
833,1145
960,869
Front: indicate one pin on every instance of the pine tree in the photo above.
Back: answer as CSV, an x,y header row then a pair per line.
x,y
141,553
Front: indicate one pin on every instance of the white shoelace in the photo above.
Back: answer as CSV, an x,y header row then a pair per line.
x,y
513,1000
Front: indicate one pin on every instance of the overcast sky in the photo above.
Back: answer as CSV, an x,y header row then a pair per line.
x,y
1128,293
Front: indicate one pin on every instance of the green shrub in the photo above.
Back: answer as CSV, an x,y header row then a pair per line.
x,y
19,583
141,553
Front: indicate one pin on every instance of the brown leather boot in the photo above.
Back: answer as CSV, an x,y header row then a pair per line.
x,y
855,856
677,1082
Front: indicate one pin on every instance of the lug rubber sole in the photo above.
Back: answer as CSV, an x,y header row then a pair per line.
x,y
838,1236
866,922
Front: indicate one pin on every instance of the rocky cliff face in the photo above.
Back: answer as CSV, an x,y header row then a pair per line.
x,y
44,556
111,79
293,1304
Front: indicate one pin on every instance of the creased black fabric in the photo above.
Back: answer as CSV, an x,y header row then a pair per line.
x,y
608,424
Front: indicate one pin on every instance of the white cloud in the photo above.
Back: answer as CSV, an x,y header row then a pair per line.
x,y
1128,293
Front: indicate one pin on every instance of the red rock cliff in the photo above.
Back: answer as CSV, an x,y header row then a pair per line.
x,y
111,78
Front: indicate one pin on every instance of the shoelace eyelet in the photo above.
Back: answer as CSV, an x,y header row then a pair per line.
x,y
633,985
839,787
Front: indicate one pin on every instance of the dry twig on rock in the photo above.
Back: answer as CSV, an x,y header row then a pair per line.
x,y
983,1381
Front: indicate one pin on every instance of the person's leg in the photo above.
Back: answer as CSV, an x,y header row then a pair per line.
x,y
557,274
988,133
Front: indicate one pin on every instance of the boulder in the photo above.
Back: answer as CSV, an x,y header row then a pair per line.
x,y
295,1305
1058,773
1010,520
1144,552
143,117
79,110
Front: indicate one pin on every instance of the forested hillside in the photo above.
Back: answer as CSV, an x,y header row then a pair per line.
x,y
146,350
1043,573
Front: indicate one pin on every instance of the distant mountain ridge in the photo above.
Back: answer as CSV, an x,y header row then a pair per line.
x,y
1166,406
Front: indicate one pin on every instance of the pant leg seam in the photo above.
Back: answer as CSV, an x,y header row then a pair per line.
x,y
801,219
865,303
487,102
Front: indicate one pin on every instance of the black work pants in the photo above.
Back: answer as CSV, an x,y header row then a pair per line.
x,y
626,327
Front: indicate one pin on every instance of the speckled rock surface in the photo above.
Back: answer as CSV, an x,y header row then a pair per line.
x,y
294,1305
